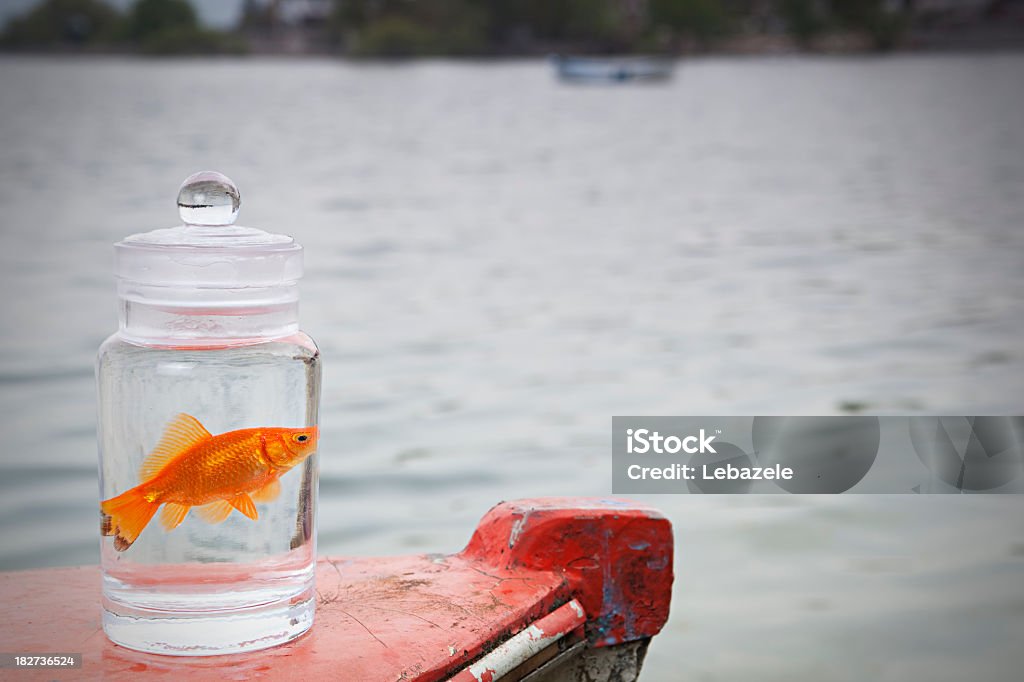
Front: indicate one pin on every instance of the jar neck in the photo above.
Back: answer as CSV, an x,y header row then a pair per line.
x,y
206,317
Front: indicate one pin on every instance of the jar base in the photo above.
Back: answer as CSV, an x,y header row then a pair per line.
x,y
208,633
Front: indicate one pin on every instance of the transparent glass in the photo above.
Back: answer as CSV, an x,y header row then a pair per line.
x,y
207,587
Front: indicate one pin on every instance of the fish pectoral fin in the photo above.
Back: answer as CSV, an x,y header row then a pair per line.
x,y
268,493
214,512
244,504
183,432
173,514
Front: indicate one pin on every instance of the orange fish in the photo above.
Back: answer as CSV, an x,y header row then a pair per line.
x,y
189,467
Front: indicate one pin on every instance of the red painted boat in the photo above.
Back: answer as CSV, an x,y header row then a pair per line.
x,y
547,589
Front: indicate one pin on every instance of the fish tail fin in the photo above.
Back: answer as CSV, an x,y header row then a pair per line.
x,y
125,516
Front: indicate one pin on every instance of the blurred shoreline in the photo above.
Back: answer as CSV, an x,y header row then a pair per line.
x,y
837,46
464,28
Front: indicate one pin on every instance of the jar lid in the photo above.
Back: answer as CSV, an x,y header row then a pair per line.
x,y
208,251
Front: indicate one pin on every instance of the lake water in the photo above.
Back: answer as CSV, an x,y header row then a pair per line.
x,y
498,263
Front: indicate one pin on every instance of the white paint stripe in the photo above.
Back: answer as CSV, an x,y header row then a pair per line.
x,y
523,645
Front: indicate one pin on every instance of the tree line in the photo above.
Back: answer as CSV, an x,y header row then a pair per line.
x,y
470,27
155,26
475,27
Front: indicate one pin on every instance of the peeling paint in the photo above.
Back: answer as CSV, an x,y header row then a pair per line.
x,y
615,555
517,529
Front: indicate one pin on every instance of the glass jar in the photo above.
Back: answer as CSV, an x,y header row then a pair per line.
x,y
208,405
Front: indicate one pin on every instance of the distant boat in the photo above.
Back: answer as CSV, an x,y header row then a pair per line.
x,y
612,69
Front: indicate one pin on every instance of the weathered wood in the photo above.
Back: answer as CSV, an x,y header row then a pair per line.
x,y
419,618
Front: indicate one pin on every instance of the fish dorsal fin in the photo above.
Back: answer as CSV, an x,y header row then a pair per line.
x,y
268,493
183,432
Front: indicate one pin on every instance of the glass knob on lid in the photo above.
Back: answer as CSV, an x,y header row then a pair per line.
x,y
208,198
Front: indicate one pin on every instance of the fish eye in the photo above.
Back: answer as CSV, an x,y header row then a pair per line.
x,y
302,438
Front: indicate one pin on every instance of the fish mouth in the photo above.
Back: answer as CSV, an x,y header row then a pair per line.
x,y
298,456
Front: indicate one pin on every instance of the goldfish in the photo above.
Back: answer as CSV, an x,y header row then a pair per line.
x,y
190,467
